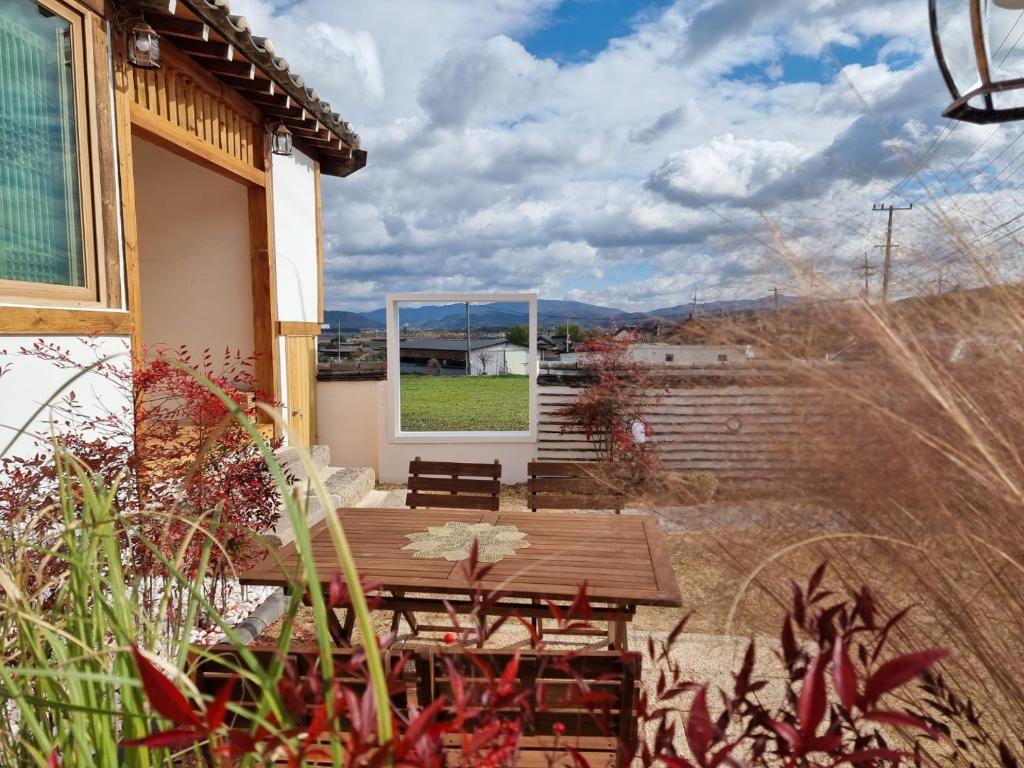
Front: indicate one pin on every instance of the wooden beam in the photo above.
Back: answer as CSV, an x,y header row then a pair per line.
x,y
319,242
243,69
297,328
175,26
245,86
205,49
107,141
293,113
72,322
342,166
264,284
202,74
278,100
126,171
181,142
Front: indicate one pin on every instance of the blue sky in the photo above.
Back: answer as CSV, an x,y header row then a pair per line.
x,y
577,30
628,152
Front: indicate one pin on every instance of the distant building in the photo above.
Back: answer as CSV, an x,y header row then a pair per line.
x,y
688,354
488,357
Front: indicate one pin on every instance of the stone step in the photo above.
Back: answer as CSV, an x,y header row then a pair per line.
x,y
346,487
291,461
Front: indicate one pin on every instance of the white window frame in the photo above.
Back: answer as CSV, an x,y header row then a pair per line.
x,y
394,395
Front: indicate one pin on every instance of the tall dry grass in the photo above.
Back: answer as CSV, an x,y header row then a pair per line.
x,y
914,442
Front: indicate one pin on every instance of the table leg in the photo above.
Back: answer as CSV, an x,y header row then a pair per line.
x,y
340,634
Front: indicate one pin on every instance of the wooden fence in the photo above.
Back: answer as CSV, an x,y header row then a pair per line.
x,y
740,423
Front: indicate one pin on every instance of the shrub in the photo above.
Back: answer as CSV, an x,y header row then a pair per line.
x,y
613,398
178,455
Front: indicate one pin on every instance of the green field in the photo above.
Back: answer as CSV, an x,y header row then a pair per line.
x,y
465,403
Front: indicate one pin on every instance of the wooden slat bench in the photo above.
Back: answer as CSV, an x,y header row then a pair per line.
x,y
575,485
212,674
453,485
599,730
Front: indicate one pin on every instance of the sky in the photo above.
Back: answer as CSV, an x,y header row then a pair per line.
x,y
630,153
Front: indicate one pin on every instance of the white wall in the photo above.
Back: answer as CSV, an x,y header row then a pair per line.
x,y
490,360
686,353
27,383
348,420
193,253
294,185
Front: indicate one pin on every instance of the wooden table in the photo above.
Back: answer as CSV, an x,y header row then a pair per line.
x,y
622,558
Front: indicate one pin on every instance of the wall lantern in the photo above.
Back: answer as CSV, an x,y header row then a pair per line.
x,y
143,46
281,140
979,62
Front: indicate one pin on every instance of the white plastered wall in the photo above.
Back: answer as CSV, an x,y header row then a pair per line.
x,y
294,186
193,255
26,383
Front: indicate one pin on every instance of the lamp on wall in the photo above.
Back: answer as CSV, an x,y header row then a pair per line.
x,y
987,84
143,46
281,140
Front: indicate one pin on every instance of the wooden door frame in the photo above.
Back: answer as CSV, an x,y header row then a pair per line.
x,y
261,226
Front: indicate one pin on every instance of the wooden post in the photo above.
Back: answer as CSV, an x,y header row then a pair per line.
x,y
264,284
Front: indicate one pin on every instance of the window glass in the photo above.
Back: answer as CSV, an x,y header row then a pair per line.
x,y
40,205
464,367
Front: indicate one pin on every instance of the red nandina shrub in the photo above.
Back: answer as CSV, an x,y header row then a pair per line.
x,y
841,694
616,392
177,456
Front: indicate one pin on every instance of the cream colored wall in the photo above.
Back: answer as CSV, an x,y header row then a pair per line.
x,y
347,421
351,420
194,254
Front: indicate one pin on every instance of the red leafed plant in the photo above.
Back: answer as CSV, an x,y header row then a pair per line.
x,y
836,707
839,705
613,399
173,448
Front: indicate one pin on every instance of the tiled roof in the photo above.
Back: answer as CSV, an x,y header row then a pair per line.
x,y
260,50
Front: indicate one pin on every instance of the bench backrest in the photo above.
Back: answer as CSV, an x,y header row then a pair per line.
x,y
221,664
453,485
575,485
590,693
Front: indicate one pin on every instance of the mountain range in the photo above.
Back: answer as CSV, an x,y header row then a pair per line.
x,y
550,312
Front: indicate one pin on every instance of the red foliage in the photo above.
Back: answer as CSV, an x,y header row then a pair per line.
x,y
489,709
176,454
615,395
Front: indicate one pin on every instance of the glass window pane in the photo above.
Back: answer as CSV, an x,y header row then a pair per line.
x,y
40,206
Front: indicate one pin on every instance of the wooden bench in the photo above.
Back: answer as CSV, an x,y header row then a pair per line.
x,y
600,729
453,485
223,663
575,485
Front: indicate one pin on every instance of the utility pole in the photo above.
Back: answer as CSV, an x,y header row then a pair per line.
x,y
566,334
887,264
469,346
867,269
775,297
693,313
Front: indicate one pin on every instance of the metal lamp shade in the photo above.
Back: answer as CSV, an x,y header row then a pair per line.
x,y
976,47
281,140
144,46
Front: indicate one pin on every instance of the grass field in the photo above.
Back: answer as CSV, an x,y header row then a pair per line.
x,y
465,404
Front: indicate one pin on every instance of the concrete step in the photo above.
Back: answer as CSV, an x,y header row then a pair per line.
x,y
291,461
346,487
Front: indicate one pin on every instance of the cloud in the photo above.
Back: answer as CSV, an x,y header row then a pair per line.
x,y
725,170
497,80
666,122
638,174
